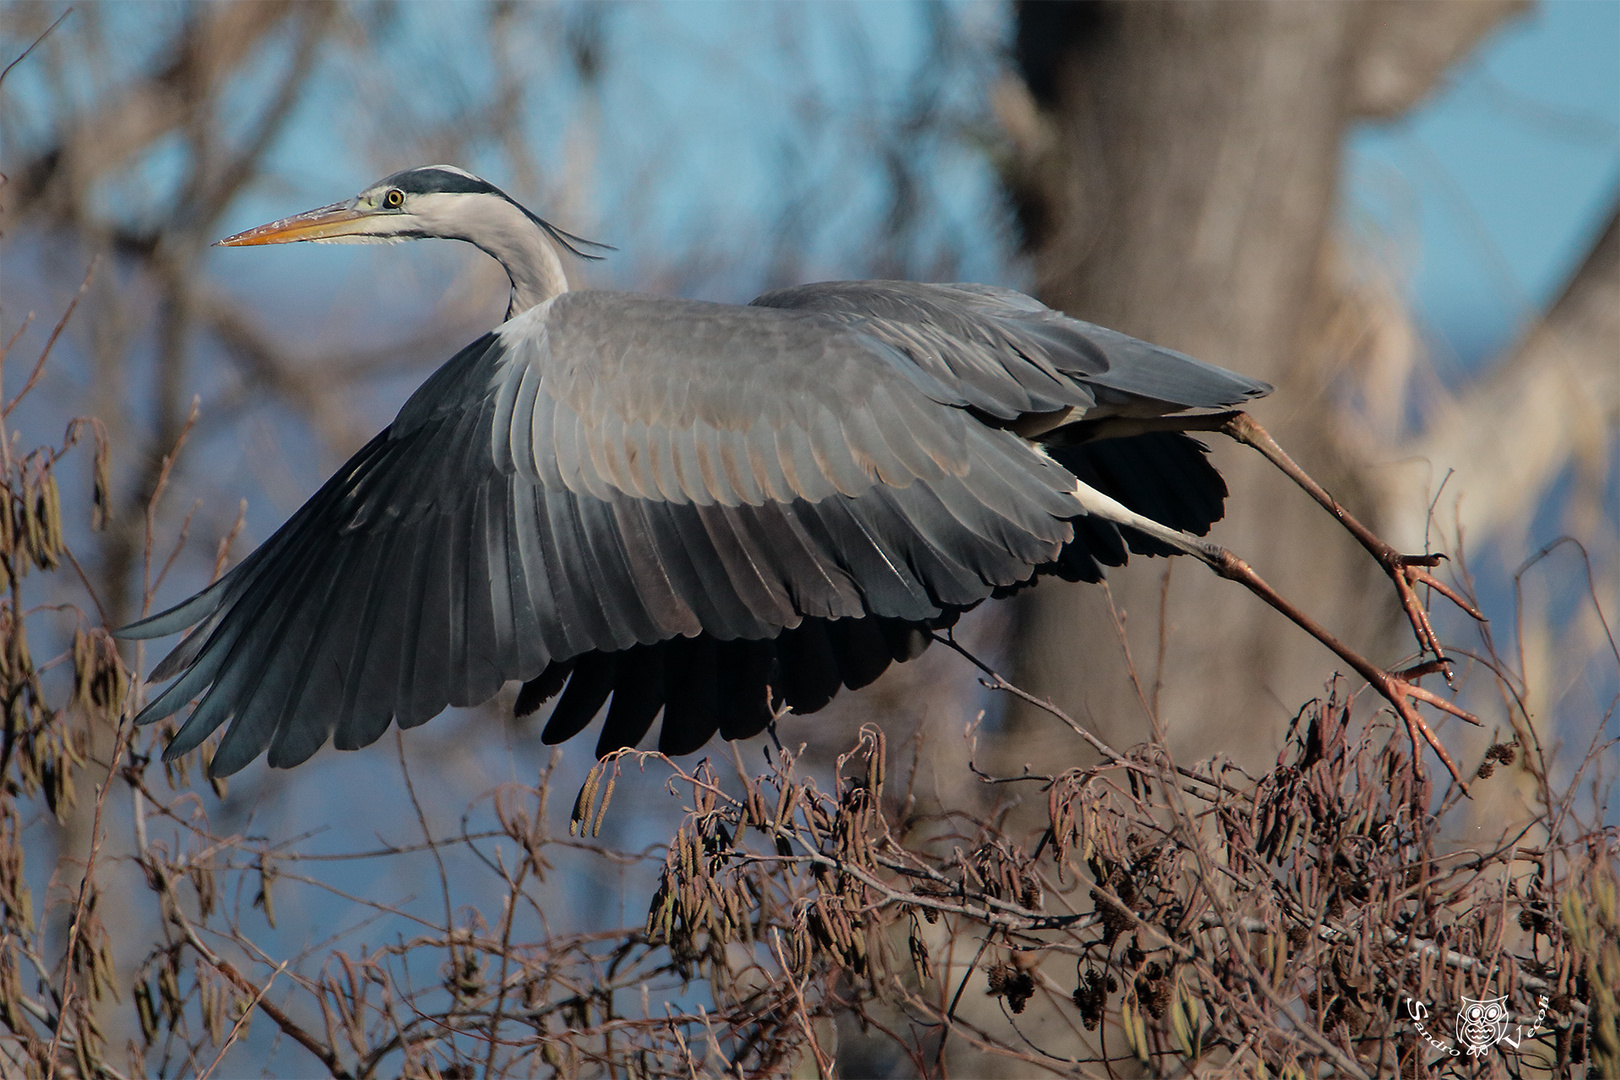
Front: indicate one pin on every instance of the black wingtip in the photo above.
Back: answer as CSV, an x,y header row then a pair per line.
x,y
542,688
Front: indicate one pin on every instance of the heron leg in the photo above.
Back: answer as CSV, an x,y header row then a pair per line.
x,y
1406,571
1399,688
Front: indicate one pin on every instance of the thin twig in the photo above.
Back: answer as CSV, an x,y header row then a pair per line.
x,y
241,1021
288,1026
34,44
50,343
119,743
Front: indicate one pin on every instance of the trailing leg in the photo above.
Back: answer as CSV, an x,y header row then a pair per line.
x,y
1406,571
1398,688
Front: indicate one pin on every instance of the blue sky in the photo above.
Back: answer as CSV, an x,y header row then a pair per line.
x,y
1493,188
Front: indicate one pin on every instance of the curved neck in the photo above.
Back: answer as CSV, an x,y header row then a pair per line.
x,y
503,231
530,260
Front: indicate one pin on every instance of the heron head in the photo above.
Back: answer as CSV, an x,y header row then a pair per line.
x,y
430,201
447,202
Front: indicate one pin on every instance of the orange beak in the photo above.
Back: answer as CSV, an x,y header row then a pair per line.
x,y
324,223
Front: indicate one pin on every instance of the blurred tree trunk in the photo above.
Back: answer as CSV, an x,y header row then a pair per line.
x,y
1176,175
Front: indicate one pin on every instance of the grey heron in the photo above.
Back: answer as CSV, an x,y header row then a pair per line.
x,y
702,510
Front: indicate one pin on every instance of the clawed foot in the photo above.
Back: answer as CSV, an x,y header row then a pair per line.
x,y
1401,690
1406,571
1409,571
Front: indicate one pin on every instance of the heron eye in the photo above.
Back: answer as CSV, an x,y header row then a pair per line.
x,y
393,199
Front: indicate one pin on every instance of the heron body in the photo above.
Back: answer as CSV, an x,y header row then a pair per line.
x,y
666,506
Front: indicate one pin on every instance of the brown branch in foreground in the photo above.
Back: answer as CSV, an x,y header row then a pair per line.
x,y
325,1054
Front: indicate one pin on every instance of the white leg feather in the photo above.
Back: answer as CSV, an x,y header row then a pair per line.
x,y
1097,504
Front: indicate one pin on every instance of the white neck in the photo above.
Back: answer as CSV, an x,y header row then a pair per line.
x,y
501,230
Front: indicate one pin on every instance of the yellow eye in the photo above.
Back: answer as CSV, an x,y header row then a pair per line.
x,y
393,199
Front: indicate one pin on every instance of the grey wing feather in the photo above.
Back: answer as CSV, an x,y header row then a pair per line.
x,y
1006,353
609,473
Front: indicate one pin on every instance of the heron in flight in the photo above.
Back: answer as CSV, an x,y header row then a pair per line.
x,y
699,510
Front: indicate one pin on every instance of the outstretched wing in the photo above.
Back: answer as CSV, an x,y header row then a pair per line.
x,y
602,474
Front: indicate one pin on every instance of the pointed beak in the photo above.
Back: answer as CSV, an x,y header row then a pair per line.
x,y
324,223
